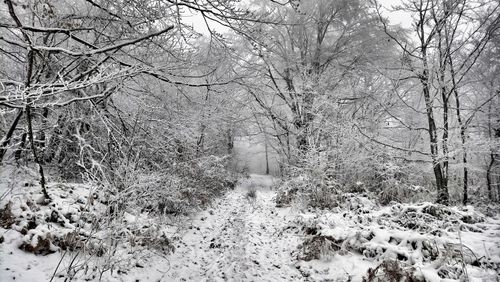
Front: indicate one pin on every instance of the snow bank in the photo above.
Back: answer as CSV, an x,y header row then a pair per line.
x,y
425,242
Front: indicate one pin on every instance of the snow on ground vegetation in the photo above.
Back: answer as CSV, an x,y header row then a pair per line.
x,y
240,236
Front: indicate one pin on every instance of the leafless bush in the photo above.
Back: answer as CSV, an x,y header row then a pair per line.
x,y
6,217
184,187
324,175
313,193
38,245
287,191
391,271
317,247
251,194
325,197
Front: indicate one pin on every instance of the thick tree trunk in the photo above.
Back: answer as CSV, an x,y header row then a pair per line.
x,y
446,126
441,179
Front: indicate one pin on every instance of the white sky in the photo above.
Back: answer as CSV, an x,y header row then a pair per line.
x,y
199,25
394,17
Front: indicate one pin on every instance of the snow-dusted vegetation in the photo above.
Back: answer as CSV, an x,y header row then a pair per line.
x,y
254,140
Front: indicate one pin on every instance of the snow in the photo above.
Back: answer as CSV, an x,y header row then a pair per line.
x,y
390,240
238,239
244,238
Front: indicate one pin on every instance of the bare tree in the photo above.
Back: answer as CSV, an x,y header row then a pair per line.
x,y
433,59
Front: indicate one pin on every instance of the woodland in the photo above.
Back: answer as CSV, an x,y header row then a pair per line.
x,y
249,140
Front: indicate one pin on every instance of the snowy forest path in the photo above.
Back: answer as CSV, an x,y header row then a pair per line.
x,y
240,239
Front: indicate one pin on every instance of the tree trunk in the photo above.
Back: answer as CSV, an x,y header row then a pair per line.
x,y
443,57
488,177
267,155
8,137
465,183
30,59
52,146
35,153
42,139
441,179
200,142
230,141
444,140
466,177
498,189
19,151
464,149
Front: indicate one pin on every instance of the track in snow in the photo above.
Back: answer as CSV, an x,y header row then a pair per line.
x,y
240,239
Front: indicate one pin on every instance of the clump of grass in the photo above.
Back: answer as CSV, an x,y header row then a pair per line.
x,y
41,245
7,217
391,271
318,247
251,193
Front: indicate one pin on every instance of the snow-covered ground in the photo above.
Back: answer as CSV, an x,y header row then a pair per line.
x,y
240,239
426,241
243,236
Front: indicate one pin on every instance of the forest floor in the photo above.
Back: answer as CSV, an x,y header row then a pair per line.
x,y
240,239
243,236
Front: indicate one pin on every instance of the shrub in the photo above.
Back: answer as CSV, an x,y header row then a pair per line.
x,y
315,193
324,197
286,191
38,245
251,193
6,216
317,247
322,176
391,271
186,186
